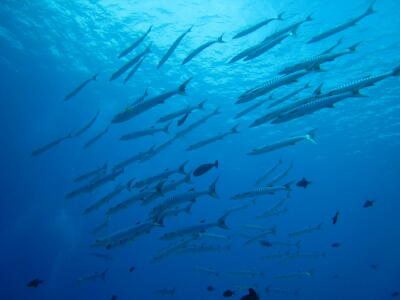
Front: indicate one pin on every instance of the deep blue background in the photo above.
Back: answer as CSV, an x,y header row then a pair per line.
x,y
49,47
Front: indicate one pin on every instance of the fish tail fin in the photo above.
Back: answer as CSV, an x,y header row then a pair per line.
x,y
222,221
319,227
234,129
94,77
201,105
187,178
148,30
307,85
311,136
182,87
288,186
148,49
298,244
220,40
216,164
103,274
129,184
396,71
370,10
212,189
166,128
318,90
159,188
309,18
353,48
280,16
182,168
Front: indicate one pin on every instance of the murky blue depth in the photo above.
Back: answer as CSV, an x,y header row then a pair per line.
x,y
49,52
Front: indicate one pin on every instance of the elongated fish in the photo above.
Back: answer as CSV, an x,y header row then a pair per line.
x,y
50,145
141,133
271,115
166,188
189,196
95,138
256,238
355,85
88,125
196,124
290,28
171,250
269,86
163,175
311,107
136,157
102,256
298,275
310,136
104,200
195,229
159,219
130,63
263,191
149,103
343,26
101,226
279,177
92,277
289,96
94,185
138,100
257,26
313,63
269,172
310,229
268,45
251,108
128,202
202,248
135,44
273,209
99,171
181,112
200,49
123,237
172,48
213,139
245,52
80,87
134,69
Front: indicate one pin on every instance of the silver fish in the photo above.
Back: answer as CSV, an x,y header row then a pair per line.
x,y
257,26
201,48
212,139
310,136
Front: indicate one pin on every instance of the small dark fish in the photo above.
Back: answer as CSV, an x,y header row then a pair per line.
x,y
303,183
114,297
34,283
181,121
335,245
396,294
374,267
210,288
228,293
202,221
205,168
251,296
369,203
50,145
131,269
335,218
266,243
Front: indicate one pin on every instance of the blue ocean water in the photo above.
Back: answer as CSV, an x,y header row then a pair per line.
x,y
48,48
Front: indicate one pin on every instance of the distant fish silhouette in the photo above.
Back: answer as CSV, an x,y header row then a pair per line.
x,y
34,283
114,297
205,168
131,269
228,293
210,288
335,245
251,296
303,183
335,218
368,203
